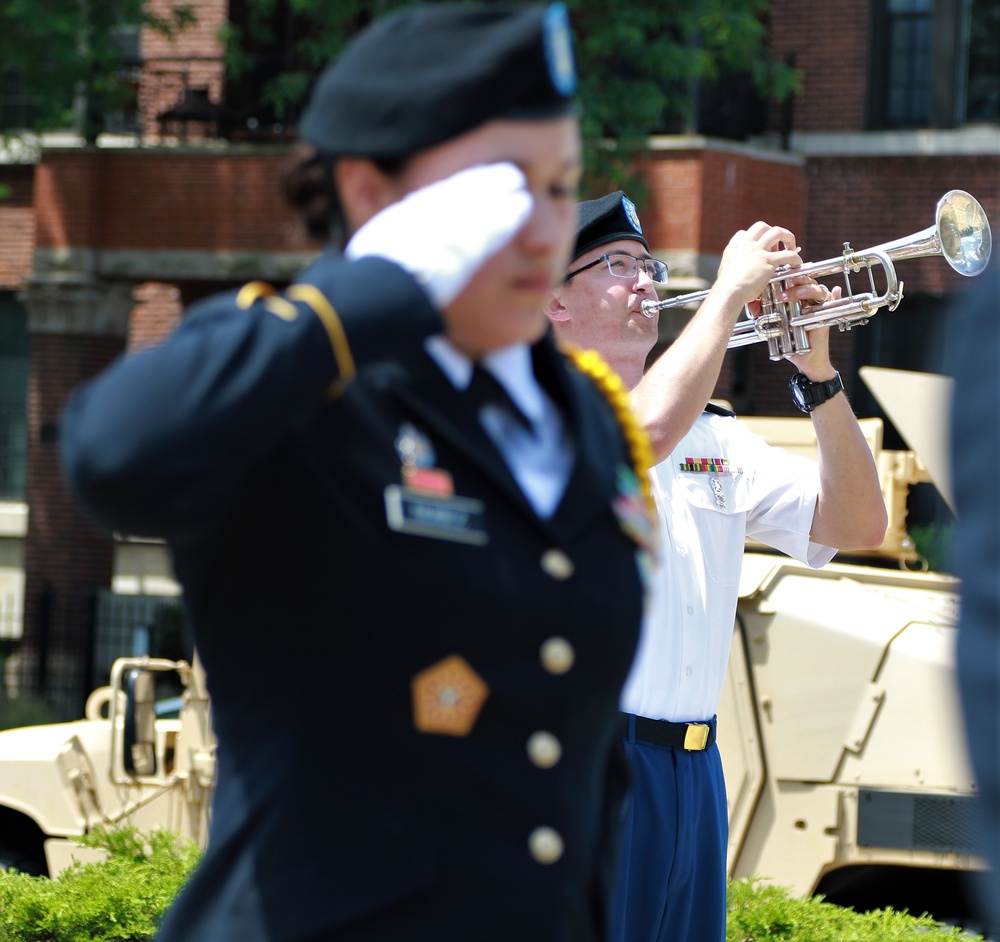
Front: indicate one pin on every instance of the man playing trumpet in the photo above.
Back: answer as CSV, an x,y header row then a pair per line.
x,y
715,484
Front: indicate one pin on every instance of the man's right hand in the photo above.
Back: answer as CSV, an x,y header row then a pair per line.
x,y
751,260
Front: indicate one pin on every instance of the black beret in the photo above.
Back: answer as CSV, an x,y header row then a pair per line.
x,y
426,74
607,219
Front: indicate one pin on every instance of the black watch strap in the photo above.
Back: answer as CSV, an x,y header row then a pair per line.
x,y
807,394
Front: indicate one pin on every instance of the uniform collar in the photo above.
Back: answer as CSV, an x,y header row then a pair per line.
x,y
510,366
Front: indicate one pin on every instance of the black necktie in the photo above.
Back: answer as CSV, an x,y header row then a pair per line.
x,y
485,389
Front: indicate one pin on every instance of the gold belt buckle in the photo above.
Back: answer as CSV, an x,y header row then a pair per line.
x,y
696,737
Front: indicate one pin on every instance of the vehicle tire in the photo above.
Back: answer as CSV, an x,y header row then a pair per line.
x,y
22,861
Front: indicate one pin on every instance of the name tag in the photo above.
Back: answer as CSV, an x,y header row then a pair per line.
x,y
443,517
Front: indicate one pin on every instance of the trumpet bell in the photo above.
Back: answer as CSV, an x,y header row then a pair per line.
x,y
966,240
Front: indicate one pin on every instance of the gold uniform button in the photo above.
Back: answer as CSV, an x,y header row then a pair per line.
x,y
544,749
557,564
557,655
546,845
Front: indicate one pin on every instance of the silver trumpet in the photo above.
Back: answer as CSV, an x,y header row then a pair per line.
x,y
961,233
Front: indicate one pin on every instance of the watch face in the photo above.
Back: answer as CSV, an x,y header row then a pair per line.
x,y
799,397
807,395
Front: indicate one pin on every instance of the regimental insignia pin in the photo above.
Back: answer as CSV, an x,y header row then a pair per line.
x,y
417,456
447,697
633,216
630,509
559,49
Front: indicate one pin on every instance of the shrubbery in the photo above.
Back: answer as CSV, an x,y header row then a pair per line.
x,y
760,913
121,899
24,711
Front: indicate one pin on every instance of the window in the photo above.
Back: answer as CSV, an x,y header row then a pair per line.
x,y
910,35
935,63
17,109
13,397
122,116
982,87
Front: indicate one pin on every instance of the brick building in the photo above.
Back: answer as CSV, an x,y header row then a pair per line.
x,y
101,248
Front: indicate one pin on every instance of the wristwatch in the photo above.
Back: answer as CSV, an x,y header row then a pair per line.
x,y
807,395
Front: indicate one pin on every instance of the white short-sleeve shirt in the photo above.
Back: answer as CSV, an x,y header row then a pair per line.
x,y
721,484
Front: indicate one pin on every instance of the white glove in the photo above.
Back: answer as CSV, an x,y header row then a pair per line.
x,y
442,233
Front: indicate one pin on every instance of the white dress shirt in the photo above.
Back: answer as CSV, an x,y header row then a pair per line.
x,y
541,459
705,515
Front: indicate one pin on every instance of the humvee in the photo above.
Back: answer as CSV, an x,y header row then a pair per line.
x,y
840,726
123,762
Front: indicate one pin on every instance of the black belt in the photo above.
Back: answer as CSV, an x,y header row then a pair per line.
x,y
694,737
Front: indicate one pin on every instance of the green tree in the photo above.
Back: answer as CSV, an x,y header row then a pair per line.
x,y
62,60
642,67
640,64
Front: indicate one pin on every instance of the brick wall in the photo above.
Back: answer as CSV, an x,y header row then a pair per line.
x,y
699,198
830,45
189,59
672,215
871,200
66,557
165,198
200,41
17,226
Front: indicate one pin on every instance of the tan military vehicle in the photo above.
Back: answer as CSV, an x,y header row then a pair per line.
x,y
122,763
840,726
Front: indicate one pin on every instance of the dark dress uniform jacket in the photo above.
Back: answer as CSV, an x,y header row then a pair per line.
x,y
335,816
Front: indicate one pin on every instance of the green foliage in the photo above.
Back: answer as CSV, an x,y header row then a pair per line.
x,y
64,52
934,543
24,711
121,899
308,33
638,63
758,913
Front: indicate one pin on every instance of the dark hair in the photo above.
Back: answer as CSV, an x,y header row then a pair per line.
x,y
309,188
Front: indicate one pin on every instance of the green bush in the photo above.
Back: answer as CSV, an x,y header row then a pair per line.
x,y
24,711
121,899
934,542
758,913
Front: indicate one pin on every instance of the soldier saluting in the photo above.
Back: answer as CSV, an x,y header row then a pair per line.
x,y
396,507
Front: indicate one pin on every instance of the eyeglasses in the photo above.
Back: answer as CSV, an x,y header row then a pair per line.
x,y
626,266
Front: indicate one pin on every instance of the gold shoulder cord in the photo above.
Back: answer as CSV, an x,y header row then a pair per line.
x,y
313,298
591,364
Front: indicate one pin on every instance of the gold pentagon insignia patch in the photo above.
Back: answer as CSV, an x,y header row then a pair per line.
x,y
447,697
